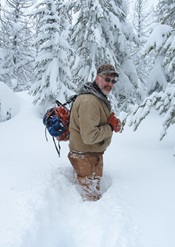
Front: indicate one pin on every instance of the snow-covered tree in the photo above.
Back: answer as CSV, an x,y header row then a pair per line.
x,y
162,43
162,78
1,36
52,68
163,102
16,65
100,35
142,19
0,11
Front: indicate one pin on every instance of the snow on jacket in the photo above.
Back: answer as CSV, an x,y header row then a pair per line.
x,y
89,131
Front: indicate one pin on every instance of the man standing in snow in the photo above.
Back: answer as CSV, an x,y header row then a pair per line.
x,y
91,127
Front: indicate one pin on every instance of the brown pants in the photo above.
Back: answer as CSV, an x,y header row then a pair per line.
x,y
89,169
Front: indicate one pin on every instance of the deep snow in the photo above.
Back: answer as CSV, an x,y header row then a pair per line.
x,y
40,204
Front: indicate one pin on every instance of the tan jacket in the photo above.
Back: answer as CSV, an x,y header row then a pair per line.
x,y
89,131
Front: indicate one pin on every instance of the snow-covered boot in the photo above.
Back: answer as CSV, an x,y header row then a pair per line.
x,y
90,188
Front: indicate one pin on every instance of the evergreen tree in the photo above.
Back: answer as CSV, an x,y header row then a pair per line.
x,y
163,102
52,69
1,36
16,65
142,20
100,35
162,40
163,47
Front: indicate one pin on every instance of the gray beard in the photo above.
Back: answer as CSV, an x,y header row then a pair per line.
x,y
104,92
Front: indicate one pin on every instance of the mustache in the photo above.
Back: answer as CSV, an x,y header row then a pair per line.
x,y
107,87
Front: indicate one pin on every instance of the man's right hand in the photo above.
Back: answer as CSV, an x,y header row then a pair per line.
x,y
114,122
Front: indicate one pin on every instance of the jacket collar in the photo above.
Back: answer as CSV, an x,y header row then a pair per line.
x,y
92,88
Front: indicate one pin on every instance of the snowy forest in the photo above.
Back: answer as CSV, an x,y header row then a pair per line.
x,y
50,48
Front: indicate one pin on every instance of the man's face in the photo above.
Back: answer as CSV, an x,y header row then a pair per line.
x,y
104,83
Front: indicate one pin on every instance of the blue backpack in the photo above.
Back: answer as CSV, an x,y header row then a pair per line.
x,y
56,120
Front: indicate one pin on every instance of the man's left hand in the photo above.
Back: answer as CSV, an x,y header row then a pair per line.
x,y
114,122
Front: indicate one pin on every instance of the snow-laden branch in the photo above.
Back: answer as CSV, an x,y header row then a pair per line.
x,y
163,102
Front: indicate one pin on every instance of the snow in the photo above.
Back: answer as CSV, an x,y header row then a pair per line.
x,y
8,108
40,203
158,37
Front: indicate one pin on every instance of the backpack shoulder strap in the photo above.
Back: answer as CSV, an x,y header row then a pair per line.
x,y
71,99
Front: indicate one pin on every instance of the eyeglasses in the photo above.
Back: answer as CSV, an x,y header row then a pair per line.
x,y
107,79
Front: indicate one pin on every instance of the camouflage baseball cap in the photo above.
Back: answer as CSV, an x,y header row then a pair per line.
x,y
107,69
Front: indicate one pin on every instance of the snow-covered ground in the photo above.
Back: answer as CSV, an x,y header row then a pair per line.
x,y
40,204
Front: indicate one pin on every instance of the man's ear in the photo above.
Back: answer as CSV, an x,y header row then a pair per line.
x,y
97,79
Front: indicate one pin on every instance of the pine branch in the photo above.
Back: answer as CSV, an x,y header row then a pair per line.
x,y
163,102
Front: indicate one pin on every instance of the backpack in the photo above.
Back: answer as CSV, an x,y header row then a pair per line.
x,y
56,120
